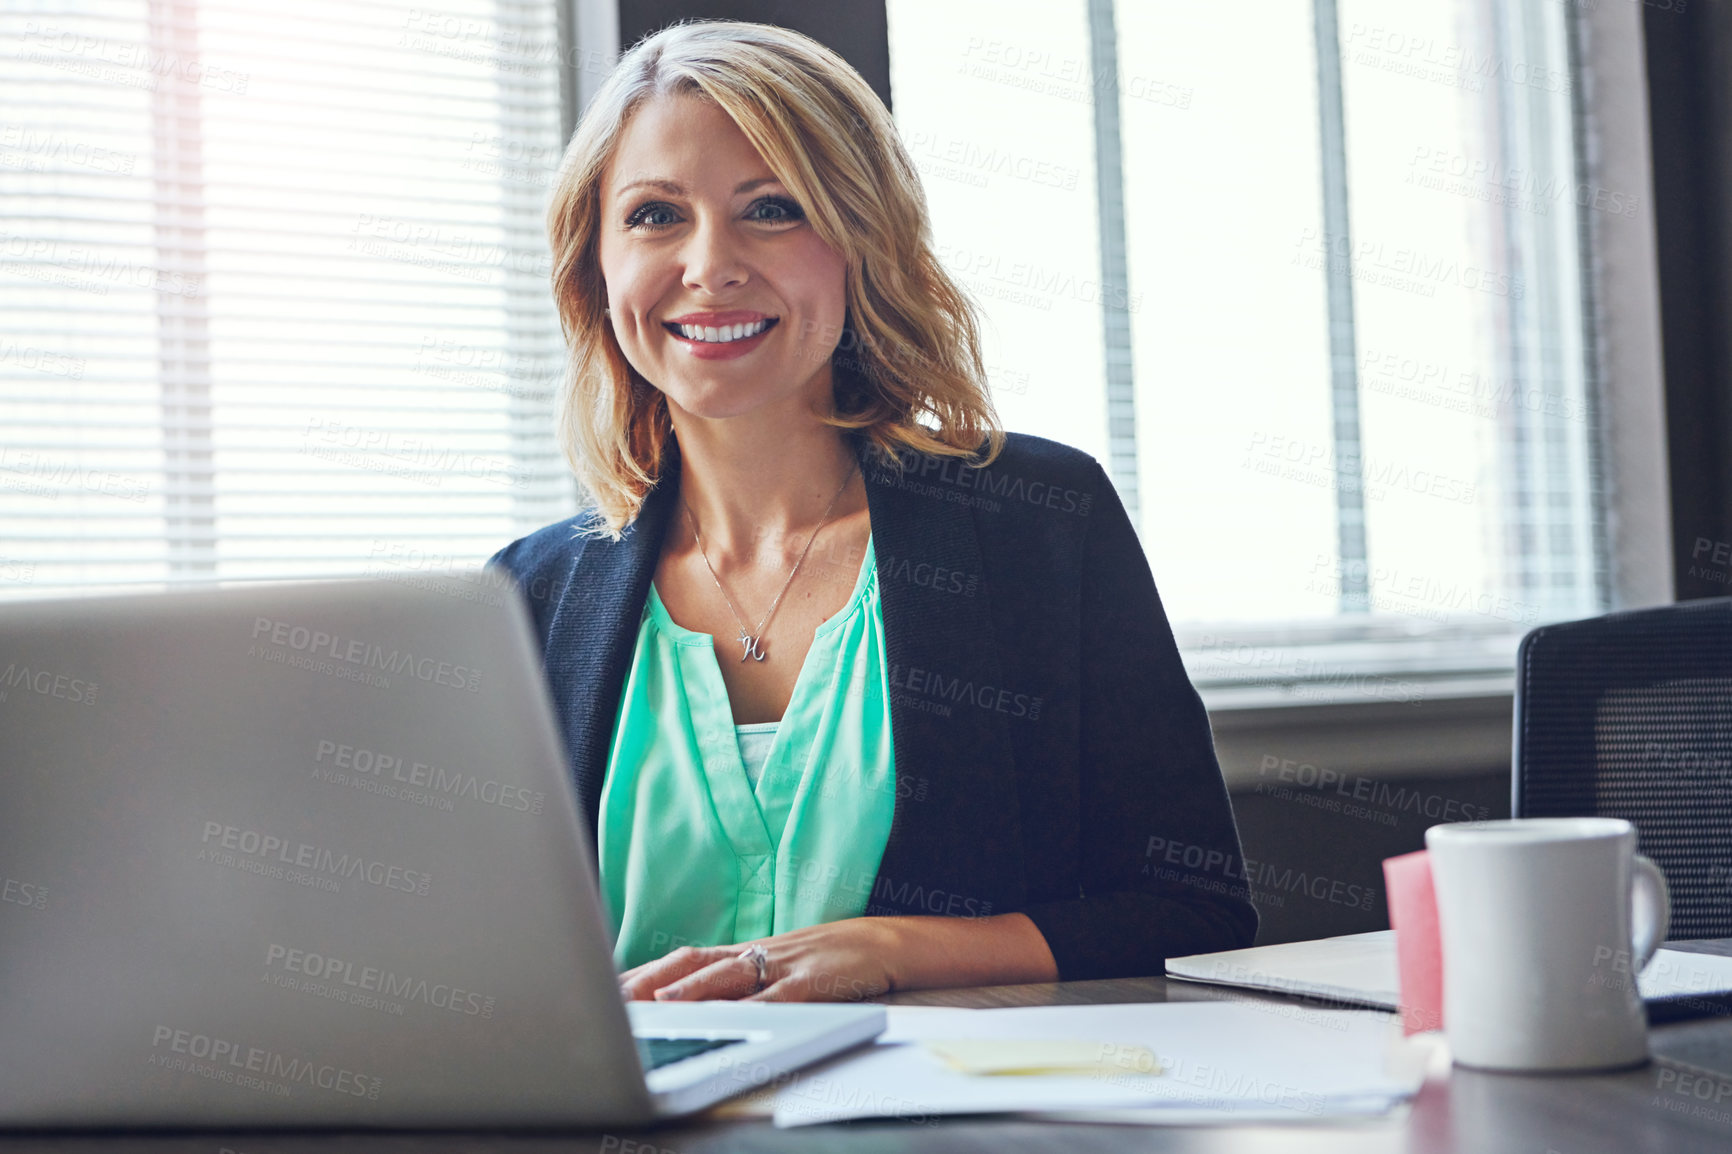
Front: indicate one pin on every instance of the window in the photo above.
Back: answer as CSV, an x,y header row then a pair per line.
x,y
274,300
1326,327
273,288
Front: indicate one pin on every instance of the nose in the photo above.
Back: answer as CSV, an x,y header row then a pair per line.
x,y
713,260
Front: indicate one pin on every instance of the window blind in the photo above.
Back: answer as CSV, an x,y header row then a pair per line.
x,y
1359,336
274,292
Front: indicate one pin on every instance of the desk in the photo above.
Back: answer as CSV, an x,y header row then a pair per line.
x,y
1652,1109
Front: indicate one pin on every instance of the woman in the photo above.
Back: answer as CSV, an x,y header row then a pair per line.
x,y
860,692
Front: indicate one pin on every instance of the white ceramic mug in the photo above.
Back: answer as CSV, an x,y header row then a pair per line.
x,y
1539,959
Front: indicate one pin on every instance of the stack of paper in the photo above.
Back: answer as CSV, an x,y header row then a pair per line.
x,y
1152,1063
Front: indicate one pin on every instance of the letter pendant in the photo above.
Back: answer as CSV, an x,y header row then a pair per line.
x,y
753,649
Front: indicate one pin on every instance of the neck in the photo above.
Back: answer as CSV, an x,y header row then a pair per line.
x,y
753,485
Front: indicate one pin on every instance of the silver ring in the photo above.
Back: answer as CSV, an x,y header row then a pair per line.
x,y
760,960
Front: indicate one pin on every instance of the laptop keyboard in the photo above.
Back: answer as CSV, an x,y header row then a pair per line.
x,y
655,1053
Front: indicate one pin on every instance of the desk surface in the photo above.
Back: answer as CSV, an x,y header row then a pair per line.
x,y
1662,1107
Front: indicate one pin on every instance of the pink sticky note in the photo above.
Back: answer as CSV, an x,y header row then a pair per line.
x,y
1418,946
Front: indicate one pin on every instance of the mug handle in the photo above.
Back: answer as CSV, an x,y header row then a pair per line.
x,y
1651,910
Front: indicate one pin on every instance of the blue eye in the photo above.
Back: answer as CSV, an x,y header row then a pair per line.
x,y
790,210
639,219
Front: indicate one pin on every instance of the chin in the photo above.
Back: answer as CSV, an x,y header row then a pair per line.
x,y
717,404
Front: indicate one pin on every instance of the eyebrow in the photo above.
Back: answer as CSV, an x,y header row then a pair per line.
x,y
674,189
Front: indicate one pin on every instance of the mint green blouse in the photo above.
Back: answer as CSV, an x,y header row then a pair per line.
x,y
693,850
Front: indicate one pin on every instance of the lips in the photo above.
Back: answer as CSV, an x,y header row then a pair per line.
x,y
722,349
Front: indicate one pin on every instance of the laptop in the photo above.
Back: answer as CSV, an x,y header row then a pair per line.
x,y
308,853
1360,970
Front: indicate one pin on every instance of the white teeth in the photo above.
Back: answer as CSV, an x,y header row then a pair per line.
x,y
723,335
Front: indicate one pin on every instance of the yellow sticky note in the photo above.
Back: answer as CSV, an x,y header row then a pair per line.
x,y
1038,1056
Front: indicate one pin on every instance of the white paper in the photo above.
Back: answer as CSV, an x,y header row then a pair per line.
x,y
1221,1061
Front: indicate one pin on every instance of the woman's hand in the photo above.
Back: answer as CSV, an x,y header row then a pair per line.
x,y
852,959
835,962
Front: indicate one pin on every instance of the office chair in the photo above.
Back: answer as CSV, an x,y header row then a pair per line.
x,y
1630,715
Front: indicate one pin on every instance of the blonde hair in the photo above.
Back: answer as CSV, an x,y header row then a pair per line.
x,y
912,379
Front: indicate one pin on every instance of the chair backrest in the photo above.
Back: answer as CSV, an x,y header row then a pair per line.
x,y
1630,715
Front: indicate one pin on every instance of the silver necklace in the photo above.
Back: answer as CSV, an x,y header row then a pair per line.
x,y
752,641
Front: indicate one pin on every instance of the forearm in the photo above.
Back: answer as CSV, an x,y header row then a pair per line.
x,y
931,952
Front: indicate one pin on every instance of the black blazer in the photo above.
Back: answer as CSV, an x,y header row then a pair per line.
x,y
1051,754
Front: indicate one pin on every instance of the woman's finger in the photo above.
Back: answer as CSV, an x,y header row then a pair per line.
x,y
786,990
731,977
642,981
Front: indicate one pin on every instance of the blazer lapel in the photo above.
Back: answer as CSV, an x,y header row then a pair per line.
x,y
594,633
955,840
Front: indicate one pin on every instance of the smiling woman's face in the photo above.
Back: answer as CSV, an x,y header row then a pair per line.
x,y
699,244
